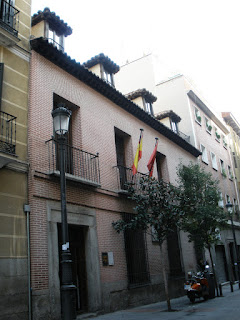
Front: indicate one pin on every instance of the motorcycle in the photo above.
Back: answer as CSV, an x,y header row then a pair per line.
x,y
197,286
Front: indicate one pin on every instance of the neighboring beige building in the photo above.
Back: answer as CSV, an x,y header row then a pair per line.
x,y
178,100
15,23
234,144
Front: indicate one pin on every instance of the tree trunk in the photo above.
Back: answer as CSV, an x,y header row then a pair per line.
x,y
214,273
165,280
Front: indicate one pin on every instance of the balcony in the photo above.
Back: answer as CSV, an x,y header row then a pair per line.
x,y
9,24
80,166
184,136
125,177
7,138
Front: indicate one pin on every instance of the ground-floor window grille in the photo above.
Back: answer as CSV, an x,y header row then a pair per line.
x,y
136,256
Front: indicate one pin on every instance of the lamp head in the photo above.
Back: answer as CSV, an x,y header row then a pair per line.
x,y
61,117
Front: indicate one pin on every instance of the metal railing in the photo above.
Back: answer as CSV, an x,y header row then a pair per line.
x,y
9,17
78,163
125,176
55,44
7,133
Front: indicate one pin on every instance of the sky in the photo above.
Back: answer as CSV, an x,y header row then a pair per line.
x,y
197,38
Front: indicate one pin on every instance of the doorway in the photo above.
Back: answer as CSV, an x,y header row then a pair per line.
x,y
77,241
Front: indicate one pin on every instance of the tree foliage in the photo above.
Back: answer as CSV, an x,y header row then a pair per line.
x,y
155,207
198,197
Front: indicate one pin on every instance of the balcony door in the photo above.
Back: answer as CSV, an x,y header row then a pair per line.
x,y
121,164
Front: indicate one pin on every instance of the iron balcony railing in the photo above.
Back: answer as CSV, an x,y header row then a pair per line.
x,y
125,176
7,133
80,165
9,17
184,136
55,44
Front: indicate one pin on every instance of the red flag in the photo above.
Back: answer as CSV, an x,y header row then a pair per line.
x,y
150,164
138,154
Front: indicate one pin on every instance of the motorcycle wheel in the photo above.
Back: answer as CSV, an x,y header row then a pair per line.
x,y
191,297
206,297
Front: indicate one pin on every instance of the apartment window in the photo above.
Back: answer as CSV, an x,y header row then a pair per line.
x,y
214,161
217,134
235,160
198,116
204,154
136,255
235,204
220,202
162,169
224,142
228,200
148,106
174,126
222,167
208,125
230,174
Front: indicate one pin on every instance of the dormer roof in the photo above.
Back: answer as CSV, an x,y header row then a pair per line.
x,y
168,114
141,93
107,63
55,23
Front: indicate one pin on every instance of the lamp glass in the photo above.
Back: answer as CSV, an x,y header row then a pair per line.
x,y
61,117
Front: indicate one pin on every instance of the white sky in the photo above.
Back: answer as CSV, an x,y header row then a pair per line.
x,y
199,38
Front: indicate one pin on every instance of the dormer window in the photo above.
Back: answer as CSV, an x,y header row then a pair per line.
x,y
148,106
174,126
55,39
107,76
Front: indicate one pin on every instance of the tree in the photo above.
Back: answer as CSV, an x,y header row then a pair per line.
x,y
198,197
155,208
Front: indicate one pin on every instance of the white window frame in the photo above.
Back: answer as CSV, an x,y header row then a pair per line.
x,y
220,202
222,167
228,199
208,125
214,161
230,173
197,115
217,134
204,153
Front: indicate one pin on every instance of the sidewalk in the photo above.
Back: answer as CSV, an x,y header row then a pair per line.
x,y
218,308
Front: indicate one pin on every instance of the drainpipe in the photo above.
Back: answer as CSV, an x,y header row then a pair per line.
x,y
27,210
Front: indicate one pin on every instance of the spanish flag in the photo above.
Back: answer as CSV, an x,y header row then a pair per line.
x,y
138,155
150,164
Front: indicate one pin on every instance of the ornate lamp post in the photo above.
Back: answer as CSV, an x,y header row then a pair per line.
x,y
229,207
61,117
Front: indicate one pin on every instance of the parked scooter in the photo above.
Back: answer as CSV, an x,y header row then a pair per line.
x,y
197,286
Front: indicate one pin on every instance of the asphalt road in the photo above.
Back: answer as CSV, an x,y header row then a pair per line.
x,y
224,308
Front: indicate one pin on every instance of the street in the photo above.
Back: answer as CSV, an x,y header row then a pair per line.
x,y
226,307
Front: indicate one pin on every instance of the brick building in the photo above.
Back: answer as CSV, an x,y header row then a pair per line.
x,y
103,137
203,128
15,25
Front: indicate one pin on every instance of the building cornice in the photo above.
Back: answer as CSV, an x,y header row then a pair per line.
x,y
63,61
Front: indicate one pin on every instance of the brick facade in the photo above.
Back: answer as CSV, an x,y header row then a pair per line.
x,y
94,119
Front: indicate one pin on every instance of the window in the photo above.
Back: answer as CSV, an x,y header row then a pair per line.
x,y
224,142
214,161
198,116
220,202
222,167
208,125
204,153
174,255
174,126
107,76
162,169
228,200
230,174
148,106
235,204
217,135
136,255
55,39
235,160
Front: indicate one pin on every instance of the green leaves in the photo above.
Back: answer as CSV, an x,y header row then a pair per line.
x,y
198,199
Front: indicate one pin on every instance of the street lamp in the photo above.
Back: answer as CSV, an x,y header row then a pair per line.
x,y
61,117
229,207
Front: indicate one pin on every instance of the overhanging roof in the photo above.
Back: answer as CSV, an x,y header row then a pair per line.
x,y
54,21
142,93
108,64
168,114
62,60
232,122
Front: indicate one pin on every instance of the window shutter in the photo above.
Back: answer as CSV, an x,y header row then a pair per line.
x,y
1,82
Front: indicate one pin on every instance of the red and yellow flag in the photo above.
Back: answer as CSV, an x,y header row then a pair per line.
x,y
150,164
138,155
